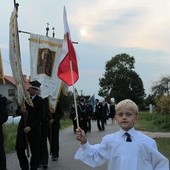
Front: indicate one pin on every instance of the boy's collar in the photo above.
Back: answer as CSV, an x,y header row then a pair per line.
x,y
130,131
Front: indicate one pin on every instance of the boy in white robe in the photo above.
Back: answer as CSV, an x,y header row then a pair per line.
x,y
127,149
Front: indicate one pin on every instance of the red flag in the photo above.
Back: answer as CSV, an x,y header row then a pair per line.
x,y
68,68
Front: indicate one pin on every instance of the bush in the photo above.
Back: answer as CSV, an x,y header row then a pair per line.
x,y
163,105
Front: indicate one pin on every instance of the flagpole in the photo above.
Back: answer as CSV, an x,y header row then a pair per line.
x,y
75,102
17,43
14,3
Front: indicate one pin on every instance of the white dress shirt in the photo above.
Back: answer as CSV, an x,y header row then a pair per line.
x,y
140,154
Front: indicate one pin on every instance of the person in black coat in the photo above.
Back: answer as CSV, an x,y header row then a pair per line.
x,y
54,128
73,117
29,128
100,115
112,111
43,157
89,112
3,119
82,114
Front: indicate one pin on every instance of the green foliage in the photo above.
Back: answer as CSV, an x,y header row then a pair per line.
x,y
120,81
161,87
163,105
150,99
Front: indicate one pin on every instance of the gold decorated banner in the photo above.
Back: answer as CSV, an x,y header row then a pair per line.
x,y
45,55
15,60
1,71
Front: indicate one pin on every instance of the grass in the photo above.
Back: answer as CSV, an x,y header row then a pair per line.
x,y
147,123
164,146
153,122
65,123
10,132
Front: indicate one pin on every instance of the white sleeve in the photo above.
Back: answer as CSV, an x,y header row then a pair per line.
x,y
93,155
158,161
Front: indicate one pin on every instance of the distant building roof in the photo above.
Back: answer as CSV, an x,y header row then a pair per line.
x,y
12,80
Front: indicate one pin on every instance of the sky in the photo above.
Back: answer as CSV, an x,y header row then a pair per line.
x,y
103,29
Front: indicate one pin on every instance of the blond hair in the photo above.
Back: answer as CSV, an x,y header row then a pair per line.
x,y
127,103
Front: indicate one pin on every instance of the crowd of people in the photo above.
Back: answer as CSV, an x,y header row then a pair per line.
x,y
100,112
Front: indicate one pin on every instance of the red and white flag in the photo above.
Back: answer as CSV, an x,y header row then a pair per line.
x,y
68,67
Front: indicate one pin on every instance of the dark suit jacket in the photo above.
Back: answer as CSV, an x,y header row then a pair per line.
x,y
3,115
34,117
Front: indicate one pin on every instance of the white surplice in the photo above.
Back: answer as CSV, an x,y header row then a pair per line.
x,y
140,154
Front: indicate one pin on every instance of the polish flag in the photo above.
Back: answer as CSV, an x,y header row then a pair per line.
x,y
68,67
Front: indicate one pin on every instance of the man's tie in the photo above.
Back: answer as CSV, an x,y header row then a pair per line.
x,y
128,139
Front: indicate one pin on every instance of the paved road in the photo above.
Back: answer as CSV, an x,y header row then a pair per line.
x,y
68,147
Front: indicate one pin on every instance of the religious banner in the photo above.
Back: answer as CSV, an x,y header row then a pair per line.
x,y
15,60
1,71
45,55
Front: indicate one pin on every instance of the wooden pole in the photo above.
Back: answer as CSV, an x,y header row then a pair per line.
x,y
24,114
26,135
75,102
14,3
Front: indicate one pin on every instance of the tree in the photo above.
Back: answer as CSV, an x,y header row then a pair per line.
x,y
150,99
161,87
120,81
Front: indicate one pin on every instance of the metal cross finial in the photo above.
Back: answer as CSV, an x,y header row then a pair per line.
x,y
47,29
16,5
53,32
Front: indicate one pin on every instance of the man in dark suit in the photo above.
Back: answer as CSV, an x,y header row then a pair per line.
x,y
81,107
54,128
30,127
100,116
43,157
73,117
3,119
89,112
